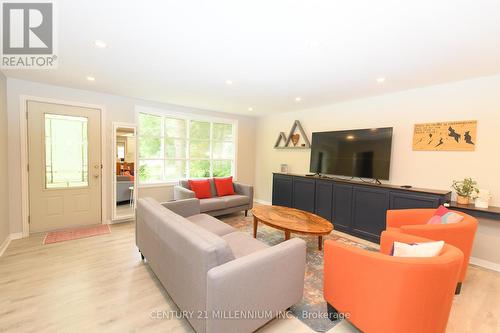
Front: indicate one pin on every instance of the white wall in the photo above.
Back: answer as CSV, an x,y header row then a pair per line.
x,y
117,108
4,194
476,99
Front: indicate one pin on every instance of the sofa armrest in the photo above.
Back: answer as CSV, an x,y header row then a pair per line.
x,y
244,189
399,217
269,280
185,208
181,193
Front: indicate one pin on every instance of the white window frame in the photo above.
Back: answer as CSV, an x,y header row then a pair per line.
x,y
188,117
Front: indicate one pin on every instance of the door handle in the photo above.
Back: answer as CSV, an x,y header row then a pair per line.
x,y
97,166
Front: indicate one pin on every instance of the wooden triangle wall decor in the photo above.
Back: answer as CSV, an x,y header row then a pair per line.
x,y
293,138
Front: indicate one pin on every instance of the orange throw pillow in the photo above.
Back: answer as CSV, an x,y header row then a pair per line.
x,y
224,186
201,188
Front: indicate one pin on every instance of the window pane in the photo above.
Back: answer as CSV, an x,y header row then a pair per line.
x,y
199,130
175,170
66,151
164,154
175,128
120,150
150,147
150,171
222,168
223,150
149,125
199,149
199,169
175,149
223,132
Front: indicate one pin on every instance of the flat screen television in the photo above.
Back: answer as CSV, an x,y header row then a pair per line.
x,y
364,153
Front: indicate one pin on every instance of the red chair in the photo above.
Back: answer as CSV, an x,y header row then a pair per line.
x,y
414,222
379,293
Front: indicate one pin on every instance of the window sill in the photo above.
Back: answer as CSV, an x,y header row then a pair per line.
x,y
164,184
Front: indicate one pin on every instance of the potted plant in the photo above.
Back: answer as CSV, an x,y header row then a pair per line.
x,y
465,189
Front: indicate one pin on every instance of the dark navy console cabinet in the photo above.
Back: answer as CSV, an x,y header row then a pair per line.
x,y
354,207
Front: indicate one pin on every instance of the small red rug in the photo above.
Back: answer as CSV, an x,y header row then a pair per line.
x,y
76,233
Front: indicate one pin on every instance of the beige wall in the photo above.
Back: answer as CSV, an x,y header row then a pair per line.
x,y
117,109
473,99
4,194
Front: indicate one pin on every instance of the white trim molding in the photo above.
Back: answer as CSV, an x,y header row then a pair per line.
x,y
116,126
122,220
6,242
4,245
485,264
262,202
16,235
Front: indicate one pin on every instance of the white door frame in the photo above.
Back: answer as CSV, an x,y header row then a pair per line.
x,y
116,125
23,123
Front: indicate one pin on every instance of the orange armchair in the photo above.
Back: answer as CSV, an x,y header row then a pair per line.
x,y
379,293
414,222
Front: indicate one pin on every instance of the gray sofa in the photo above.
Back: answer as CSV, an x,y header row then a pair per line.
x,y
123,184
216,206
209,268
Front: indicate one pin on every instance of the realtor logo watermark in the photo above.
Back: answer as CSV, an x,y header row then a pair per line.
x,y
28,35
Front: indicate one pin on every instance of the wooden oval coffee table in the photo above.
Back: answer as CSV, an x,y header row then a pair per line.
x,y
291,220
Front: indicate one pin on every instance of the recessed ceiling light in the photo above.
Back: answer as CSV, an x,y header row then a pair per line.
x,y
298,99
350,137
381,80
229,82
90,78
100,44
250,109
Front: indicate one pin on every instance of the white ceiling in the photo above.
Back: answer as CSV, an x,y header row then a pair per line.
x,y
324,51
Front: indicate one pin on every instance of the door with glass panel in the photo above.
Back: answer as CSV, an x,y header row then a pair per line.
x,y
64,166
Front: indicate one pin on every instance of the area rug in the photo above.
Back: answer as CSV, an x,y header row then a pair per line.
x,y
312,309
75,233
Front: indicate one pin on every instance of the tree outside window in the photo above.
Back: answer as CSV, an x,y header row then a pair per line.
x,y
172,148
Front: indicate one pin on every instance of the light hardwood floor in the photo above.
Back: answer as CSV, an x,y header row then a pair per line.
x,y
100,284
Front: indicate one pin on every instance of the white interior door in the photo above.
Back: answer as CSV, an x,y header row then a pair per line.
x,y
64,166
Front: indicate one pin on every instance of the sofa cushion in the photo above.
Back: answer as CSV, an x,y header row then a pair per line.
x,y
201,188
416,250
243,244
185,183
211,224
224,186
187,237
235,200
445,216
207,205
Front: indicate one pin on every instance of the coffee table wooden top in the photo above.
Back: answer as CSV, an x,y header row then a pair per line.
x,y
292,220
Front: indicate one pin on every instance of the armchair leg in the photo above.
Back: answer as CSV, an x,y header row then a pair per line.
x,y
333,314
458,288
142,255
246,213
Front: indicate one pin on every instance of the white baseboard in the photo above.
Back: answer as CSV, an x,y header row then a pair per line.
x,y
127,219
4,245
16,235
485,264
6,242
262,202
